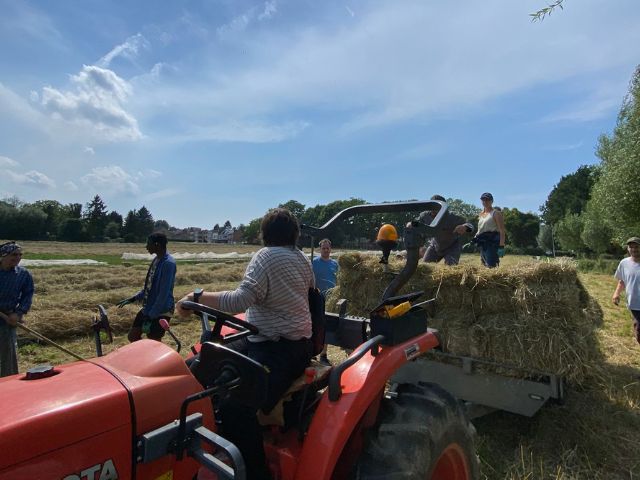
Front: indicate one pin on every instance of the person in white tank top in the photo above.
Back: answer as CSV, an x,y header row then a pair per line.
x,y
491,233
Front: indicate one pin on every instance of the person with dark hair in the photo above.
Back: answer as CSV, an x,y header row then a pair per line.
x,y
274,294
447,241
325,271
628,277
16,294
156,294
491,234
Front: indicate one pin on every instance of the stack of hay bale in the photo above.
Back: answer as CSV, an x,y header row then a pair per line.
x,y
534,315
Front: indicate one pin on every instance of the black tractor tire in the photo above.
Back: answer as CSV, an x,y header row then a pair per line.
x,y
423,433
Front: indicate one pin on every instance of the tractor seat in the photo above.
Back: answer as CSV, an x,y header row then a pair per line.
x,y
276,416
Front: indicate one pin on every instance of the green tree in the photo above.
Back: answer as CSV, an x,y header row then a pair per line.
x,y
8,220
112,230
545,238
72,230
570,194
161,226
616,194
96,218
251,233
73,210
466,210
596,234
138,225
294,207
569,233
522,228
146,223
55,213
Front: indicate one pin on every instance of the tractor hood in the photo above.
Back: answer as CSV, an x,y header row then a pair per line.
x,y
40,416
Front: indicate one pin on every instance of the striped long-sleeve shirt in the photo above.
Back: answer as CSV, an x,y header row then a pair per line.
x,y
275,294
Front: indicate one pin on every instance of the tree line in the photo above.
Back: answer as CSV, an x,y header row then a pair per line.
x,y
51,220
595,209
361,230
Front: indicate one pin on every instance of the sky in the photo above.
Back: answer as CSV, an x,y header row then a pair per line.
x,y
214,110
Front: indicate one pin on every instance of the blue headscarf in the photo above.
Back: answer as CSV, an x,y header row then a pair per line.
x,y
8,248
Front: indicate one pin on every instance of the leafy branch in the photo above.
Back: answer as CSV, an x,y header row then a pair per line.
x,y
546,11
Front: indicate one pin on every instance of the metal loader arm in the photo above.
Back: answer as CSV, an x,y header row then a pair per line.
x,y
394,207
414,235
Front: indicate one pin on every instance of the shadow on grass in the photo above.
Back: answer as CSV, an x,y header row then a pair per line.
x,y
595,434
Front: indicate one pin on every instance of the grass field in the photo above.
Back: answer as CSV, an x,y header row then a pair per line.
x,y
594,435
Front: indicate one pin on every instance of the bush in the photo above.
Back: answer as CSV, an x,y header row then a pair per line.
x,y
598,265
511,250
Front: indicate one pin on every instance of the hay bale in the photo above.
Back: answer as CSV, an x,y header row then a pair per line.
x,y
532,315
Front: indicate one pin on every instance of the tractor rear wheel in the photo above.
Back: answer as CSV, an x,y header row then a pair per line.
x,y
424,434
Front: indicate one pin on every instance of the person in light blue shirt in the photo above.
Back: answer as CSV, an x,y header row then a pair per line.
x,y
325,271
325,268
628,276
157,294
16,293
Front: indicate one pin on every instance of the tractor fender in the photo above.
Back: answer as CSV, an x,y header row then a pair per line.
x,y
362,386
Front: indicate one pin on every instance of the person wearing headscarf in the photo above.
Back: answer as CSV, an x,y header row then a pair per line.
x,y
16,294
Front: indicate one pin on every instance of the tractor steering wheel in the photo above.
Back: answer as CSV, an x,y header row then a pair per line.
x,y
221,318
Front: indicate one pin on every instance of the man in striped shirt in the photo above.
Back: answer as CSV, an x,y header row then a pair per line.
x,y
274,293
16,293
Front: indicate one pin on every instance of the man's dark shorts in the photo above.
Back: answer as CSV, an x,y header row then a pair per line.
x,y
150,326
636,324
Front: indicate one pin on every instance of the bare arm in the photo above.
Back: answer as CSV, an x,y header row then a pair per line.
x,y
210,299
617,292
12,319
500,223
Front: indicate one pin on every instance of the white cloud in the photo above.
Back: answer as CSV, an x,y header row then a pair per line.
x,y
14,107
241,22
424,60
565,147
129,50
89,151
71,186
115,180
31,178
148,174
8,162
237,131
111,179
97,103
587,111
270,9
167,192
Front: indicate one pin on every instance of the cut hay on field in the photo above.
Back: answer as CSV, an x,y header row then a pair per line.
x,y
66,298
533,315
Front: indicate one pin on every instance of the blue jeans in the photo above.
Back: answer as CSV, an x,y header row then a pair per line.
x,y
8,350
488,242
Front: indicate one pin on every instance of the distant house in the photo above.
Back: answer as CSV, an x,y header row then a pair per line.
x,y
226,235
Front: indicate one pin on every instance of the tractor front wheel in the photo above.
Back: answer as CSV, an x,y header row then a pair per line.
x,y
423,434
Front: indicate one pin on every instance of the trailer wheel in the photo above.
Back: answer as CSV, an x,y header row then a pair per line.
x,y
423,433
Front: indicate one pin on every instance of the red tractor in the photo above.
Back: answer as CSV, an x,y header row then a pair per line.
x,y
141,413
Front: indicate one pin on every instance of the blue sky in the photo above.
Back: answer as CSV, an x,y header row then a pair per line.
x,y
205,111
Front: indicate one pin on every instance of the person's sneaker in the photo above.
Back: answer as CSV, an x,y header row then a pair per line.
x,y
325,360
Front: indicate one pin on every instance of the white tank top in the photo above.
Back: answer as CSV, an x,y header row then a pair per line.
x,y
486,223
